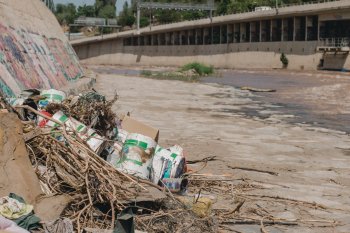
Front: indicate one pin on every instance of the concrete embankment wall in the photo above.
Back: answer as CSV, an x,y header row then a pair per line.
x,y
34,52
301,55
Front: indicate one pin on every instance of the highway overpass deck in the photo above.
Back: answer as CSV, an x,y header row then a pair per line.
x,y
297,10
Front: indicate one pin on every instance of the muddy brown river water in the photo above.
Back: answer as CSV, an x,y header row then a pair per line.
x,y
319,99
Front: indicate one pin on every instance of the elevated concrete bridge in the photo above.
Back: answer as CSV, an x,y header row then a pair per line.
x,y
245,40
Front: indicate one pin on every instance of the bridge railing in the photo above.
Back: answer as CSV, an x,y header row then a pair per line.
x,y
273,8
90,21
112,22
307,3
177,6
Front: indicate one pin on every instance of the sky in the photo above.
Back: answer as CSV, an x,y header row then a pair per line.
x,y
120,3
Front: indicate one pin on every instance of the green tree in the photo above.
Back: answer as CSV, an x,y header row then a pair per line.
x,y
105,8
144,21
86,10
107,12
167,16
222,8
126,17
65,14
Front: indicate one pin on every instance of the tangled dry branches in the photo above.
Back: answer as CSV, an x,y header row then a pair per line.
x,y
78,170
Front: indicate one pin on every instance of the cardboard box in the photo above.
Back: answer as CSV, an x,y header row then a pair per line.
x,y
133,126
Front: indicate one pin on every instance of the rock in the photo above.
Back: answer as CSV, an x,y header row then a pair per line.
x,y
50,208
190,73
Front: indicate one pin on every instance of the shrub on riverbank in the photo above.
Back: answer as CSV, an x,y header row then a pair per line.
x,y
190,72
201,69
175,75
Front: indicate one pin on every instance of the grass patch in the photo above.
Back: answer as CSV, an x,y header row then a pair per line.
x,y
146,73
201,69
191,72
169,76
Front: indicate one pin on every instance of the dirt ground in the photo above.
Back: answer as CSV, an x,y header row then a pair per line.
x,y
303,162
17,175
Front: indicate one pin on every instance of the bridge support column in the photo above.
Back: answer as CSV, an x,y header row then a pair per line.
x,y
227,31
260,31
250,31
318,28
234,33
195,36
282,30
180,37
240,32
306,20
188,36
167,39
294,28
235,39
271,29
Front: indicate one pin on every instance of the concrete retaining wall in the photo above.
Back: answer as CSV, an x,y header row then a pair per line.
x,y
301,55
34,52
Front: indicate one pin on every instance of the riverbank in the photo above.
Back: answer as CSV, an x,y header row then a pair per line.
x,y
304,162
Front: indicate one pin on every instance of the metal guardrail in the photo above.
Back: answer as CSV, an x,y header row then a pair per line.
x,y
177,6
100,23
272,8
335,42
90,21
307,3
112,22
173,6
281,5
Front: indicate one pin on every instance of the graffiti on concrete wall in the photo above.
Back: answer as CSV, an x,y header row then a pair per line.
x,y
30,60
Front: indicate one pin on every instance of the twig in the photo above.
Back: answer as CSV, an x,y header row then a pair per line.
x,y
236,209
200,169
113,214
80,213
253,170
258,222
230,230
206,159
307,220
262,227
253,89
289,199
87,188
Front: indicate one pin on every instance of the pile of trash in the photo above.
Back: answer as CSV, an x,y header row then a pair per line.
x,y
117,174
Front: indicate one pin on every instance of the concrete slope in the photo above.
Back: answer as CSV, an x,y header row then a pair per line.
x,y
34,52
